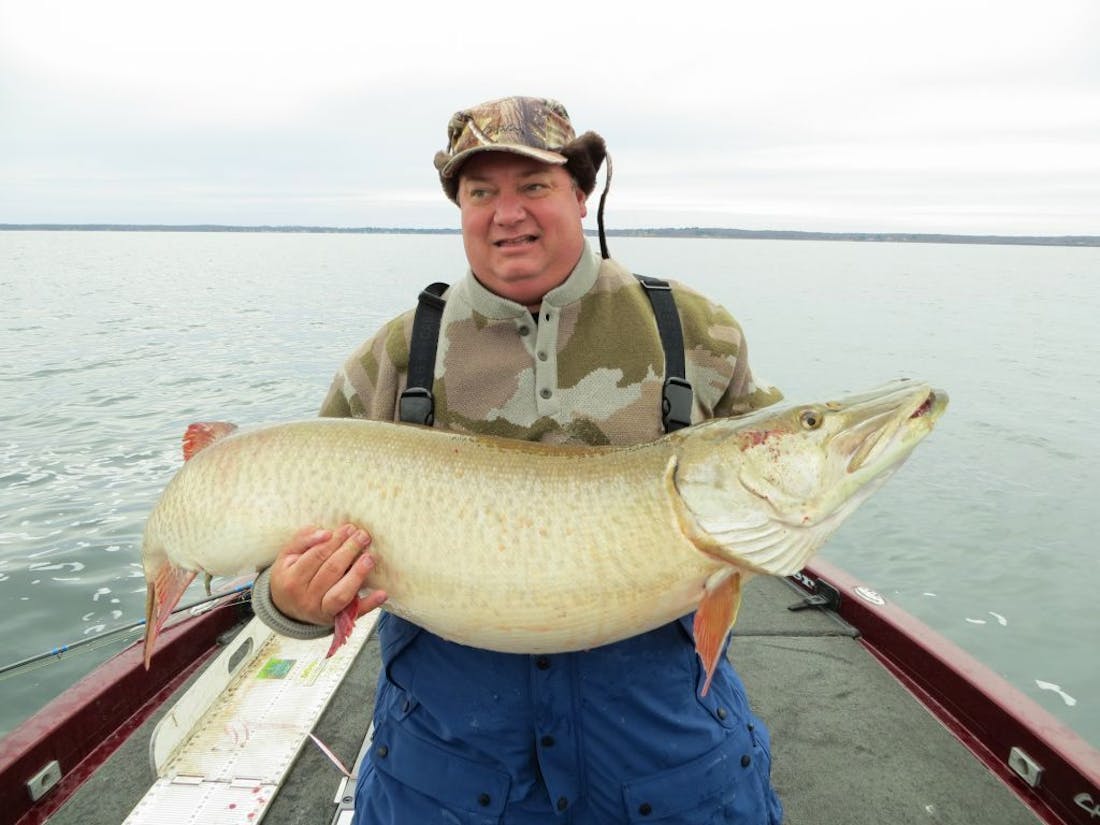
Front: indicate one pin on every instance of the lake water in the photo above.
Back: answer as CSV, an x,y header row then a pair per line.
x,y
112,342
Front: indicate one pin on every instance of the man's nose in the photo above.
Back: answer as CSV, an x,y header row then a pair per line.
x,y
509,208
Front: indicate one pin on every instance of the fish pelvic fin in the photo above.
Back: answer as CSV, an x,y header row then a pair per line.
x,y
714,618
202,434
344,624
163,594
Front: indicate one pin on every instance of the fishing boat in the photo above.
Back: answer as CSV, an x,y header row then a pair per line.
x,y
874,718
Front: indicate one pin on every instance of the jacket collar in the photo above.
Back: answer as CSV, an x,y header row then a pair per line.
x,y
571,290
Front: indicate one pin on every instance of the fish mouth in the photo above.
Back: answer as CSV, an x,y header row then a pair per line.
x,y
935,402
888,423
925,406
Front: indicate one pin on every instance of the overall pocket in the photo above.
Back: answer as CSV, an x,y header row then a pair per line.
x,y
723,785
413,780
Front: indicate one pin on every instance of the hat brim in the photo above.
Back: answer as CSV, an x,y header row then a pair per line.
x,y
454,164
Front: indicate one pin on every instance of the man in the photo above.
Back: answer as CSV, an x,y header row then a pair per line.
x,y
542,340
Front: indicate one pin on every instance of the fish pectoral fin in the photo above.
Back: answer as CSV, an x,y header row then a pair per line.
x,y
202,434
163,594
715,617
343,626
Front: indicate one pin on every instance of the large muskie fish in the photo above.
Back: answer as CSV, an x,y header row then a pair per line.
x,y
529,548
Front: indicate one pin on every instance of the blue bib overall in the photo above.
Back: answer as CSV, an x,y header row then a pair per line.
x,y
616,734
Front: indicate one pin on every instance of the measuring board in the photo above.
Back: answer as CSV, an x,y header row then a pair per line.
x,y
224,748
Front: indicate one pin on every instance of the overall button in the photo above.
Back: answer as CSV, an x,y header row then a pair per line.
x,y
542,662
547,741
722,714
484,799
746,760
645,809
382,751
563,803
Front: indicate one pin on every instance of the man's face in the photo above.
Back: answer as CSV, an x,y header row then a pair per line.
x,y
521,224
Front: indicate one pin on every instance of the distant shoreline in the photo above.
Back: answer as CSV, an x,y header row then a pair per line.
x,y
664,232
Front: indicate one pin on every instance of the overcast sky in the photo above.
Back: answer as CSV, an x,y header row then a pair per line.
x,y
853,115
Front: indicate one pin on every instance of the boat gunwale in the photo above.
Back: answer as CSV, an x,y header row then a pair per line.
x,y
82,727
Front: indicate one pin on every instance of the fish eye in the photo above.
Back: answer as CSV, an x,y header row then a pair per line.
x,y
810,419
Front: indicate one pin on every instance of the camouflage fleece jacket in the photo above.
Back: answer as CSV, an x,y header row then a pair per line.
x,y
589,370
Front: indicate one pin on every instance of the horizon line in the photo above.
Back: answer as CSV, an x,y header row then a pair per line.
x,y
653,232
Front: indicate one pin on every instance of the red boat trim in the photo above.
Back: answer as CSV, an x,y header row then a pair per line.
x,y
987,714
87,723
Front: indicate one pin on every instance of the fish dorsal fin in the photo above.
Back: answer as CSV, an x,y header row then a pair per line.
x,y
202,434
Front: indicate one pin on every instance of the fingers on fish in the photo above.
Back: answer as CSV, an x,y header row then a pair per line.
x,y
163,594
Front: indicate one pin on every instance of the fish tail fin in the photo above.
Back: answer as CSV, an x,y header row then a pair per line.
x,y
343,626
164,592
202,434
715,617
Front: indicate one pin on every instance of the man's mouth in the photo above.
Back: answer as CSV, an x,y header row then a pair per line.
x,y
519,240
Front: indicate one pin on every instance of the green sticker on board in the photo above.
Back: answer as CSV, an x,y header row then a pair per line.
x,y
276,669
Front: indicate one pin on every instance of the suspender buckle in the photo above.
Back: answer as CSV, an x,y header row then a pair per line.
x,y
417,406
676,404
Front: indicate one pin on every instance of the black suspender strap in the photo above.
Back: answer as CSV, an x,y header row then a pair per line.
x,y
676,399
416,405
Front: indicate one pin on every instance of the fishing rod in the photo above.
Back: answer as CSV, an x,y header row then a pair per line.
x,y
107,635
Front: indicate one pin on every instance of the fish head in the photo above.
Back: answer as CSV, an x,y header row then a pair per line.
x,y
764,491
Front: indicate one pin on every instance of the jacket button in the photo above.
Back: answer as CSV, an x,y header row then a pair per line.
x,y
483,800
547,741
542,663
546,392
645,809
406,705
524,330
382,751
722,714
563,803
543,356
746,760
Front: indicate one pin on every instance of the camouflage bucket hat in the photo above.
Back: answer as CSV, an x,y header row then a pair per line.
x,y
536,127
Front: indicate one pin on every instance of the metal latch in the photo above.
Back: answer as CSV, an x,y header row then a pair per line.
x,y
825,595
1025,767
42,782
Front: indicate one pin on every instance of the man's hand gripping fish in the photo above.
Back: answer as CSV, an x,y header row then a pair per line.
x,y
529,548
